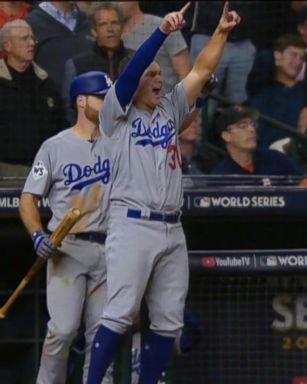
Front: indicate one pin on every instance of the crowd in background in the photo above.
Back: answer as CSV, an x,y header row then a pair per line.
x,y
45,44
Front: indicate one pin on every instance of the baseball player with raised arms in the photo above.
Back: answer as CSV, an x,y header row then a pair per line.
x,y
146,250
69,167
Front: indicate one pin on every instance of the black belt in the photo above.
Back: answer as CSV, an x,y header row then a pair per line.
x,y
155,216
96,237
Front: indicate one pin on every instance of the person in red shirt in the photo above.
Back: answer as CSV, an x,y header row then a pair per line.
x,y
12,10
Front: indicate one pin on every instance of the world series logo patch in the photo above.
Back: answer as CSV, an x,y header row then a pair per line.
x,y
39,170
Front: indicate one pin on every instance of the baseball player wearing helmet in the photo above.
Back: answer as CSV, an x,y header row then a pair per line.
x,y
146,250
66,169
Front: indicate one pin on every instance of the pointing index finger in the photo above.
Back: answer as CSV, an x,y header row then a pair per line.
x,y
185,8
226,8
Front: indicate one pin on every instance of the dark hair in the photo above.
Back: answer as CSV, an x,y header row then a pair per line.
x,y
104,6
285,41
232,115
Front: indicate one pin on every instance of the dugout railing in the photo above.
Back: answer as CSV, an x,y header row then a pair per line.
x,y
246,314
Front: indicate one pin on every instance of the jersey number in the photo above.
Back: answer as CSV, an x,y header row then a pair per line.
x,y
175,158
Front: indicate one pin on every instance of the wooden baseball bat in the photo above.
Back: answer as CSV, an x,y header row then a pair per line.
x,y
70,219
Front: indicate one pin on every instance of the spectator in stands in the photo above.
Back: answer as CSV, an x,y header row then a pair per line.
x,y
284,98
239,52
296,147
12,10
195,161
62,31
270,20
237,128
106,24
30,108
188,140
173,57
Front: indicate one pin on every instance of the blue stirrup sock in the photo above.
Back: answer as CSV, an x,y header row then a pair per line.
x,y
104,348
154,357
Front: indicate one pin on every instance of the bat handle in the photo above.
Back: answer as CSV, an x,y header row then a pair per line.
x,y
65,226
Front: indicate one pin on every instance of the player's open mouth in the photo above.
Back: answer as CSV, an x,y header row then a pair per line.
x,y
157,91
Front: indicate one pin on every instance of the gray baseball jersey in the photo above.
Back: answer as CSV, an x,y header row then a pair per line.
x,y
64,168
174,44
144,151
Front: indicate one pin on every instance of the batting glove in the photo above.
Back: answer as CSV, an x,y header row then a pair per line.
x,y
42,245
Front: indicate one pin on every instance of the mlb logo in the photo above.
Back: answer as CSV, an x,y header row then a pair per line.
x,y
268,261
209,262
299,380
205,202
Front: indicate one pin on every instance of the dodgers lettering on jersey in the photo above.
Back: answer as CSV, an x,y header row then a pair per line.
x,y
160,134
144,151
82,176
66,168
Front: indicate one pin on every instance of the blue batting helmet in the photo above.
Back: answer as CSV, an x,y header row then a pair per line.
x,y
89,83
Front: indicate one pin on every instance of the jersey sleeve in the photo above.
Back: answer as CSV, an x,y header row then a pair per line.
x,y
111,114
39,179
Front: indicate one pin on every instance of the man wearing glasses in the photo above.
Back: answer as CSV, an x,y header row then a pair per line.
x,y
237,127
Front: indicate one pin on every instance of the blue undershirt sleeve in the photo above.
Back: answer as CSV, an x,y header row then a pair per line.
x,y
128,81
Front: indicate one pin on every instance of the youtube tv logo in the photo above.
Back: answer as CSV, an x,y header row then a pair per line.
x,y
209,262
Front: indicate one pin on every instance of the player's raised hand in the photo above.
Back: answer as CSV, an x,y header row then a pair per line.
x,y
229,19
174,21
